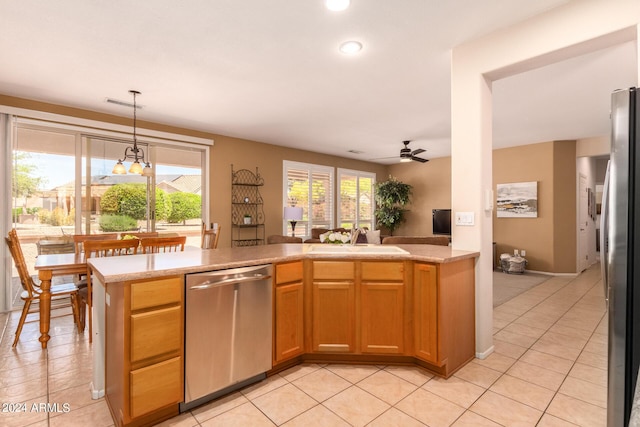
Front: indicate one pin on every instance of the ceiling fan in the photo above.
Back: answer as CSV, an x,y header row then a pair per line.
x,y
406,155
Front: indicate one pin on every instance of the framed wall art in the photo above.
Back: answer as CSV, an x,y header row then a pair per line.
x,y
517,200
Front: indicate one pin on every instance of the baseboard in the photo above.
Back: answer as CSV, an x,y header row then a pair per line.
x,y
546,273
95,394
485,353
553,274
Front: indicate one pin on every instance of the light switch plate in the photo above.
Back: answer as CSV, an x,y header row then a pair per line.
x,y
465,218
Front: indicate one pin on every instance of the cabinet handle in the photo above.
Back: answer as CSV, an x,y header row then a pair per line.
x,y
215,283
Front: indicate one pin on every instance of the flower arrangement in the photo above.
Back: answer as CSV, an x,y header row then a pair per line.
x,y
335,237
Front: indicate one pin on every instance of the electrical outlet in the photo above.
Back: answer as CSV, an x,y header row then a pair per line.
x,y
516,253
523,252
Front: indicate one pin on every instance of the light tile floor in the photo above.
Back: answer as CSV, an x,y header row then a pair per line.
x,y
549,368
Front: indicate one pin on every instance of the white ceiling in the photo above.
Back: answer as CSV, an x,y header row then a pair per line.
x,y
270,71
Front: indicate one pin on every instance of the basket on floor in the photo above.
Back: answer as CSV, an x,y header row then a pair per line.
x,y
512,264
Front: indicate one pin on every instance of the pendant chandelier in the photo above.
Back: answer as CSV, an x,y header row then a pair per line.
x,y
133,153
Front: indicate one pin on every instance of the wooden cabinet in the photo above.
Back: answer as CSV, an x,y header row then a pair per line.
x,y
288,327
333,307
426,312
358,307
382,307
144,350
444,311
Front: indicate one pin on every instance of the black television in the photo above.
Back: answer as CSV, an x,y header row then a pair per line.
x,y
442,222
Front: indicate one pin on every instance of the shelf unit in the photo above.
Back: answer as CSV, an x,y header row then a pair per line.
x,y
246,202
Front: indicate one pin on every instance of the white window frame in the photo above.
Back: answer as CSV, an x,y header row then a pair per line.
x,y
310,169
358,175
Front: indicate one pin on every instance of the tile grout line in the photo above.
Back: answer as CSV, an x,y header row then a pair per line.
x,y
555,392
502,374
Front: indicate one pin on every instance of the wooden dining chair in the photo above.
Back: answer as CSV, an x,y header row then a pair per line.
x,y
79,239
97,249
31,291
140,235
210,237
154,245
78,242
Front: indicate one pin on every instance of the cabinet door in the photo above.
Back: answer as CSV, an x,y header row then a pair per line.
x,y
333,319
288,330
156,386
382,317
426,312
156,333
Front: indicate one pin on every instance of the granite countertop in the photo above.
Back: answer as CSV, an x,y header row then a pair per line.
x,y
195,260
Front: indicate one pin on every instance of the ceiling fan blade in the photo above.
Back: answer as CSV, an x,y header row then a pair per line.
x,y
417,151
419,159
383,158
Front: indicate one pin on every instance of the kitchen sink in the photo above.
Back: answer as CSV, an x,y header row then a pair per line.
x,y
326,248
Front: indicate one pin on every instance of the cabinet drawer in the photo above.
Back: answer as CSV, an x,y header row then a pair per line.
x,y
156,332
383,271
333,270
156,386
153,293
289,272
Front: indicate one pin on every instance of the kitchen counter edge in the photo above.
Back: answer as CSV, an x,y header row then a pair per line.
x,y
195,260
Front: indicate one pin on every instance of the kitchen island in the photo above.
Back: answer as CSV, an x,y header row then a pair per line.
x,y
410,304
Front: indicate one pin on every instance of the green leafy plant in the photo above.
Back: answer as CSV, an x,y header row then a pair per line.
x,y
131,200
56,217
115,223
184,206
391,198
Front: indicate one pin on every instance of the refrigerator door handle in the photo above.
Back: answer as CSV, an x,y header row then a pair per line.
x,y
604,238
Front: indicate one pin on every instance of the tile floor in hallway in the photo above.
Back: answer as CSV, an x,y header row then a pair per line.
x,y
549,368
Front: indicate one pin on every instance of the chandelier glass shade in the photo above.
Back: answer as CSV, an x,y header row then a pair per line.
x,y
133,153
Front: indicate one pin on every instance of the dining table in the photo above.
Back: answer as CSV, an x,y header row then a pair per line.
x,y
50,265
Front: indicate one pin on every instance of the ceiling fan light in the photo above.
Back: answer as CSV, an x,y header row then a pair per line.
x,y
405,159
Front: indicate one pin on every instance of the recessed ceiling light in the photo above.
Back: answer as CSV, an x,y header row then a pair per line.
x,y
336,5
350,47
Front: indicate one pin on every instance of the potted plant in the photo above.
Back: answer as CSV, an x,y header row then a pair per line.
x,y
391,198
247,219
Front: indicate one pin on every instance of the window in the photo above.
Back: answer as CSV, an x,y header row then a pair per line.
x,y
59,172
310,187
355,208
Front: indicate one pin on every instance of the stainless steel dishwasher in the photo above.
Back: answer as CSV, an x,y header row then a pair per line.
x,y
227,331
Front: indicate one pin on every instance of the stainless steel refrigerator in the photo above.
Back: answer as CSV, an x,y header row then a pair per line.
x,y
620,254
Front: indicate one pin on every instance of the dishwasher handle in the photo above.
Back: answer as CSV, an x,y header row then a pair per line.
x,y
215,283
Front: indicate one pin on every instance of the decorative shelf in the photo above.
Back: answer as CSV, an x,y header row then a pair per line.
x,y
246,201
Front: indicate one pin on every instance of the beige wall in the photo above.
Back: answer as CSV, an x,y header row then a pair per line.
x,y
552,164
431,190
243,154
268,158
549,239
